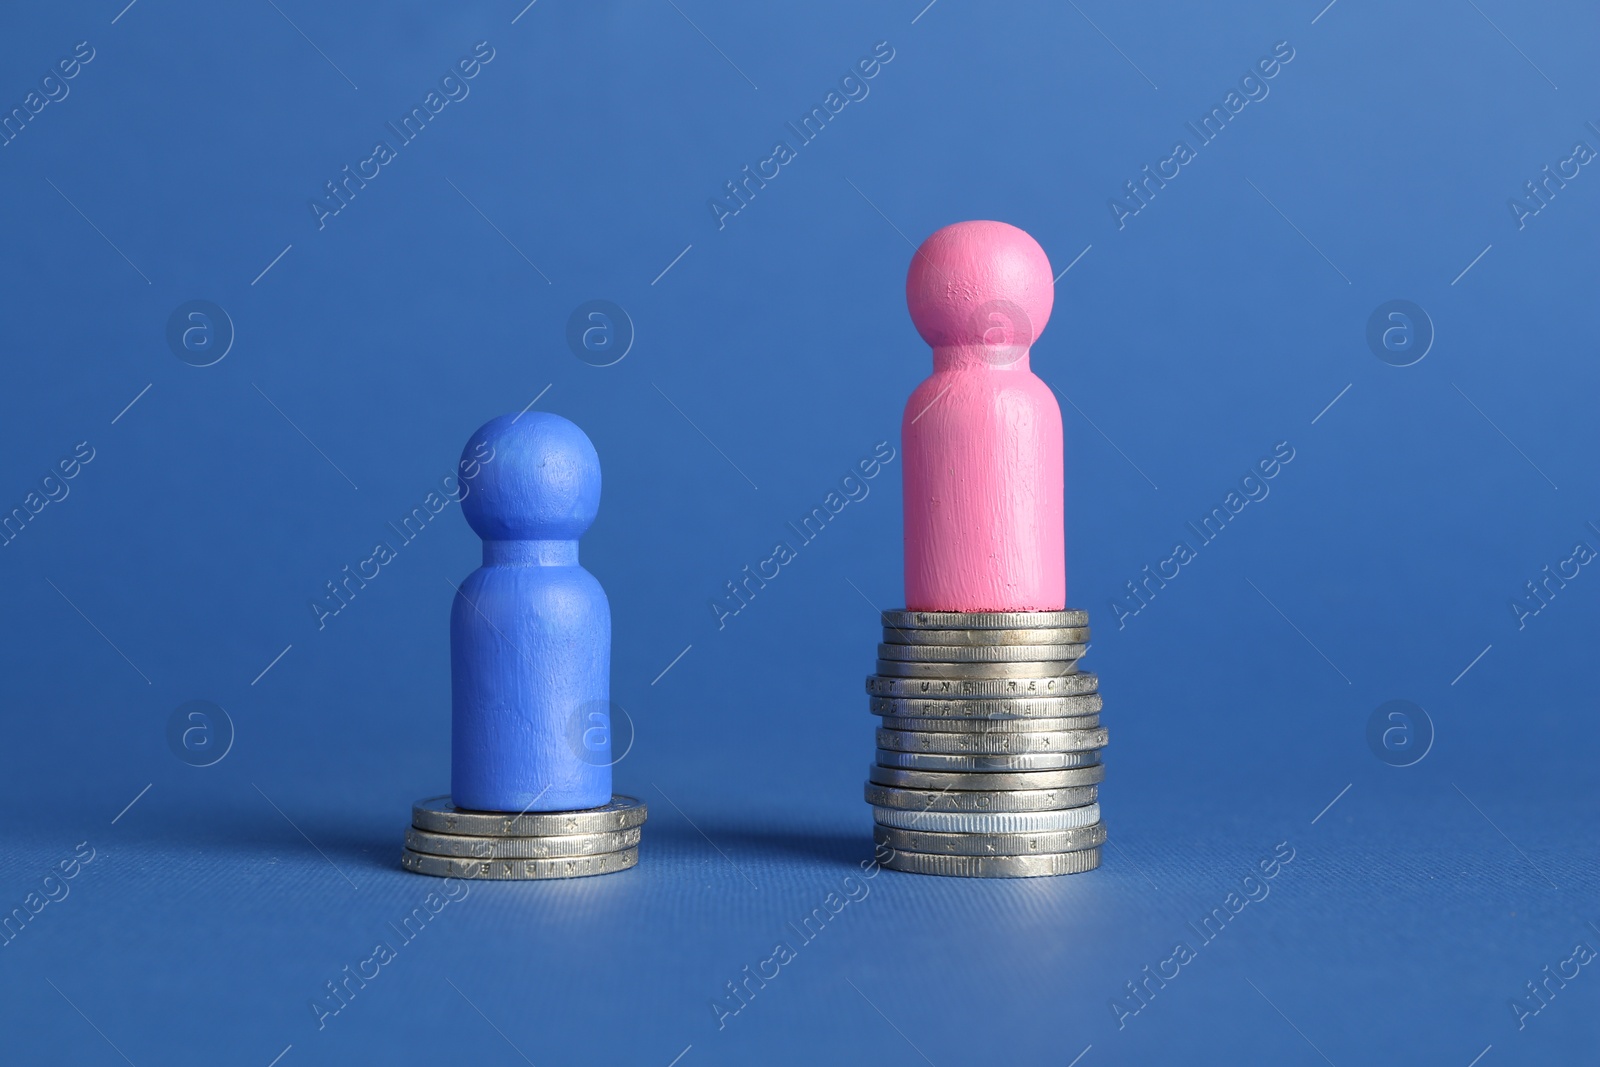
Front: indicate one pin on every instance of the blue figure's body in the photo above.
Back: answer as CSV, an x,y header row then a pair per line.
x,y
530,630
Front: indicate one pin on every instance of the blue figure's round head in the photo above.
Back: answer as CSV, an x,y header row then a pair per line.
x,y
529,477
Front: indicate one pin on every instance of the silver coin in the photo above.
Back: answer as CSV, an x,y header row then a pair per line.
x,y
464,846
984,620
903,778
988,822
519,869
1027,761
1071,635
1001,744
993,709
1075,684
1034,866
988,726
980,653
887,796
990,844
441,816
1034,671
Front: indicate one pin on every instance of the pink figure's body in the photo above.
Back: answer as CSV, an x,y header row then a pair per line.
x,y
983,473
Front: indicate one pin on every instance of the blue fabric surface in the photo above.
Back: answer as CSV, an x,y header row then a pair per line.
x,y
207,779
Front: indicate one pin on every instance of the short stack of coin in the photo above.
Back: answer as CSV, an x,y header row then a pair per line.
x,y
988,745
452,842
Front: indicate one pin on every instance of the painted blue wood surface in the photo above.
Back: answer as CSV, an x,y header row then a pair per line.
x,y
530,630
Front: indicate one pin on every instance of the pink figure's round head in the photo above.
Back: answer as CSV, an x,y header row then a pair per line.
x,y
980,283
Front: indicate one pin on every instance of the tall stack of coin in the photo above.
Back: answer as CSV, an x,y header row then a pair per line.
x,y
450,842
988,746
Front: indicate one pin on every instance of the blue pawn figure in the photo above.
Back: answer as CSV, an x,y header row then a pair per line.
x,y
530,630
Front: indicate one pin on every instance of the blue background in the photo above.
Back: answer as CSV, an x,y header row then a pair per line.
x,y
772,356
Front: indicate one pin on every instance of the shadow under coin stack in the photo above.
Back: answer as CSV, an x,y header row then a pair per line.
x,y
446,841
988,745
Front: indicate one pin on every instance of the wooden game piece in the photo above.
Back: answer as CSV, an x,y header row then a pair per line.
x,y
982,435
530,630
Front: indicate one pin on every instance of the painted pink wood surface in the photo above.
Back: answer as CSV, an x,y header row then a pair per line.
x,y
982,436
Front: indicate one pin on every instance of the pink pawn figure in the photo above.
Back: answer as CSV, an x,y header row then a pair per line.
x,y
982,435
